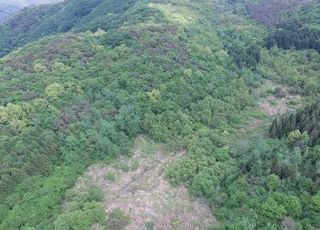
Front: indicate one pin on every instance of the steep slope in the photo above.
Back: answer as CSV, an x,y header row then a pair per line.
x,y
75,15
72,99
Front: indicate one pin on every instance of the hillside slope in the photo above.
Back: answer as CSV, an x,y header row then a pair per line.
x,y
8,8
299,29
73,99
92,76
75,15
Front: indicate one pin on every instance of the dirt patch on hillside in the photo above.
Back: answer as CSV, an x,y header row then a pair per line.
x,y
277,105
273,106
137,185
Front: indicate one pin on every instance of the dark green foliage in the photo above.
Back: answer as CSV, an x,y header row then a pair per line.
x,y
117,220
244,55
262,189
304,120
77,15
279,92
300,29
21,29
150,225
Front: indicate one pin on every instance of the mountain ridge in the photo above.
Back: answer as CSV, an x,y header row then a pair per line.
x,y
9,8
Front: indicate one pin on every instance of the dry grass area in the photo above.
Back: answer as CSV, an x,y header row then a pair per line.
x,y
274,105
137,186
270,105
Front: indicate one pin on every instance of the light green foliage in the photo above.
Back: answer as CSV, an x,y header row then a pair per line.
x,y
273,182
315,203
294,68
296,139
124,166
59,66
81,219
110,176
82,211
176,224
134,165
53,91
38,67
291,204
150,225
16,116
154,95
272,210
203,174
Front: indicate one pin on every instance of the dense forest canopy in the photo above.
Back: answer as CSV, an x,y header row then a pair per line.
x,y
81,79
300,29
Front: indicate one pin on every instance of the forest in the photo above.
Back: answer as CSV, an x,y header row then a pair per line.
x,y
300,29
82,79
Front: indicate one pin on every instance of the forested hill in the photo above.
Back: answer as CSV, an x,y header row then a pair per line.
x,y
8,8
82,80
71,15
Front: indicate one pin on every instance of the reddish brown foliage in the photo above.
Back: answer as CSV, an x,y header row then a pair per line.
x,y
270,12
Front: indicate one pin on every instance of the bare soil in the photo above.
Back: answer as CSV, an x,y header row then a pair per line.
x,y
137,186
274,106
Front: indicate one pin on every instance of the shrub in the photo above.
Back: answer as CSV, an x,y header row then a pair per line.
x,y
110,176
117,219
279,92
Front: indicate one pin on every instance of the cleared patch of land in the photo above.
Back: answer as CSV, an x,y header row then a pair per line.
x,y
137,186
274,100
280,102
